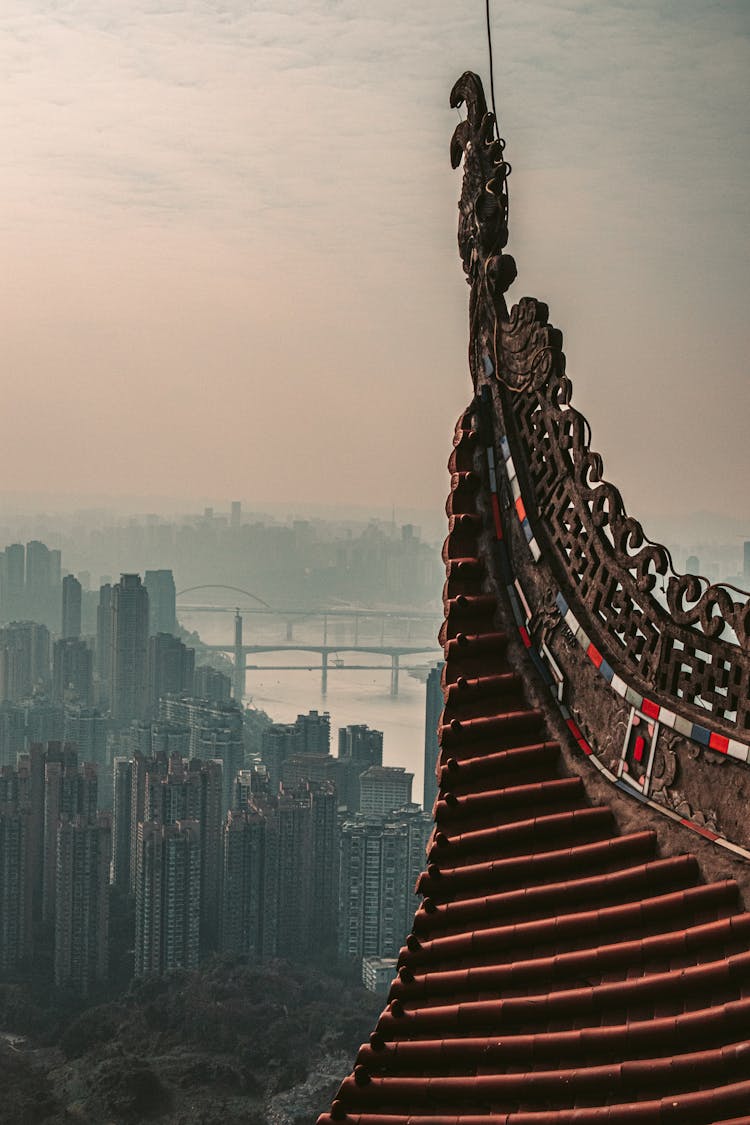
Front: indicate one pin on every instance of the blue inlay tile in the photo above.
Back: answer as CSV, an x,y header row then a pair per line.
x,y
561,604
700,734
505,447
631,790
527,530
541,666
516,606
606,671
488,364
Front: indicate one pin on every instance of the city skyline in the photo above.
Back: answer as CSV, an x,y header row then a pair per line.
x,y
221,217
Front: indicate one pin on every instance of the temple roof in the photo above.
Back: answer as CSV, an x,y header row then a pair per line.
x,y
581,952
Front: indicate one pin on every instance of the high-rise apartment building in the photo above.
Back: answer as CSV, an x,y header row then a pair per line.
x,y
15,891
150,737
171,665
72,671
86,728
433,711
129,671
71,606
70,791
359,748
166,790
383,789
317,768
162,601
82,902
380,859
243,862
168,897
215,732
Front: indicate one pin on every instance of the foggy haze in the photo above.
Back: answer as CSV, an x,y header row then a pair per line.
x,y
229,244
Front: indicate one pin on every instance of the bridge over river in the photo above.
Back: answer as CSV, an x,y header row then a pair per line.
x,y
330,653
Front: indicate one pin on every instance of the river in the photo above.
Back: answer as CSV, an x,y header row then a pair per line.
x,y
353,696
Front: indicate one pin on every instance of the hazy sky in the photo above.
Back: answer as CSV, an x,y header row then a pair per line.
x,y
228,241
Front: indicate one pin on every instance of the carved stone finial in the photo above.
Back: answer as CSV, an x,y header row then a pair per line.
x,y
483,207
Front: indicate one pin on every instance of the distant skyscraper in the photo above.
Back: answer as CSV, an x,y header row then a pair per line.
x,y
313,733
151,737
171,665
129,678
86,728
360,744
45,720
24,659
71,606
384,788
72,671
200,715
82,903
210,683
162,601
12,732
359,748
277,744
122,783
39,571
433,711
104,646
12,604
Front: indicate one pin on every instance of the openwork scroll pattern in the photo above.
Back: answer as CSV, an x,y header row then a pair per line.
x,y
684,649
607,559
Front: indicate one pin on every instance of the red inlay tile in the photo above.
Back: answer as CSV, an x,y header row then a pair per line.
x,y
640,744
584,746
594,656
574,729
520,509
496,516
524,636
649,708
719,742
700,829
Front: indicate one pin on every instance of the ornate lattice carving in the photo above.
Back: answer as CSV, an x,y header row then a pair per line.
x,y
695,649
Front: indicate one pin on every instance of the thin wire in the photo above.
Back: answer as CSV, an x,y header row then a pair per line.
x,y
492,75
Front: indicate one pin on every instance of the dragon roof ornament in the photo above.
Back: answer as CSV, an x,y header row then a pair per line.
x,y
521,354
